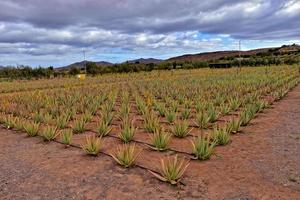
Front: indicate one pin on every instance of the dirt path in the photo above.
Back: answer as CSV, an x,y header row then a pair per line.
x,y
263,162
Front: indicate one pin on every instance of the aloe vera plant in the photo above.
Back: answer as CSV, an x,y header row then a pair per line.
x,y
221,136
92,145
79,125
203,148
66,136
151,122
127,132
171,170
160,140
49,133
202,120
31,128
181,129
171,116
103,129
125,155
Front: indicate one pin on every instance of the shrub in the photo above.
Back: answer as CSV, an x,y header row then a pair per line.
x,y
125,155
202,148
66,136
160,140
49,133
172,170
92,145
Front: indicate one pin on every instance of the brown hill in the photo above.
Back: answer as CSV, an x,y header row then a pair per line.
x,y
210,56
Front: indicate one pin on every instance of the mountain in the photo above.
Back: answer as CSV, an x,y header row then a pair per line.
x,y
145,61
81,65
211,56
206,56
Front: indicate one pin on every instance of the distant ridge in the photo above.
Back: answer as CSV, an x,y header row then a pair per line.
x,y
206,56
145,60
81,64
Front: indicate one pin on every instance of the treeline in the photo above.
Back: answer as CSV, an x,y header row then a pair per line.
x,y
252,62
93,68
26,72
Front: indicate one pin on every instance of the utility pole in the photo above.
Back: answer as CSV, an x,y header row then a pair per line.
x,y
240,56
84,61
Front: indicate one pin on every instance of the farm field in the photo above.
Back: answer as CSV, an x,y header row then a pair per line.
x,y
138,125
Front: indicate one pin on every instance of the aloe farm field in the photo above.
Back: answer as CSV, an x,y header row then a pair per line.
x,y
183,134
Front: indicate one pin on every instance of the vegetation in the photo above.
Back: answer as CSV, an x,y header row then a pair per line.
x,y
181,129
172,170
92,145
125,155
127,132
31,128
49,133
160,140
202,148
167,105
66,136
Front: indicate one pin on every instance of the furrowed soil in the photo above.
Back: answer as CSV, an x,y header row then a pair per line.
x,y
262,162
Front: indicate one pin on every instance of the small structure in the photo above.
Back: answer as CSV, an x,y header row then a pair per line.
x,y
219,65
81,76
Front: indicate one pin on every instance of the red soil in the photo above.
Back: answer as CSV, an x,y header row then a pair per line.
x,y
262,162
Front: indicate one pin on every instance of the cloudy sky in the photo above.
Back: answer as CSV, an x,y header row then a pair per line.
x,y
55,32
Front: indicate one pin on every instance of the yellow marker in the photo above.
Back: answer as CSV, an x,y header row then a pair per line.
x,y
81,76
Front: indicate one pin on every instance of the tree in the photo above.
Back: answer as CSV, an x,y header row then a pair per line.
x,y
74,71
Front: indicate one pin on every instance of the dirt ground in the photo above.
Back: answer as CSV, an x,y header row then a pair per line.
x,y
262,162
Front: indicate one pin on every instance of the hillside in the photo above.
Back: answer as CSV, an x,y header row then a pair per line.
x,y
210,56
145,61
81,65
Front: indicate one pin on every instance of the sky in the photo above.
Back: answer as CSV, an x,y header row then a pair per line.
x,y
57,32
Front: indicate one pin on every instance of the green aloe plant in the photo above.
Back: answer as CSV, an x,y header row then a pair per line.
x,y
103,129
92,145
127,132
31,128
202,148
125,155
171,170
66,136
160,140
49,133
181,129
